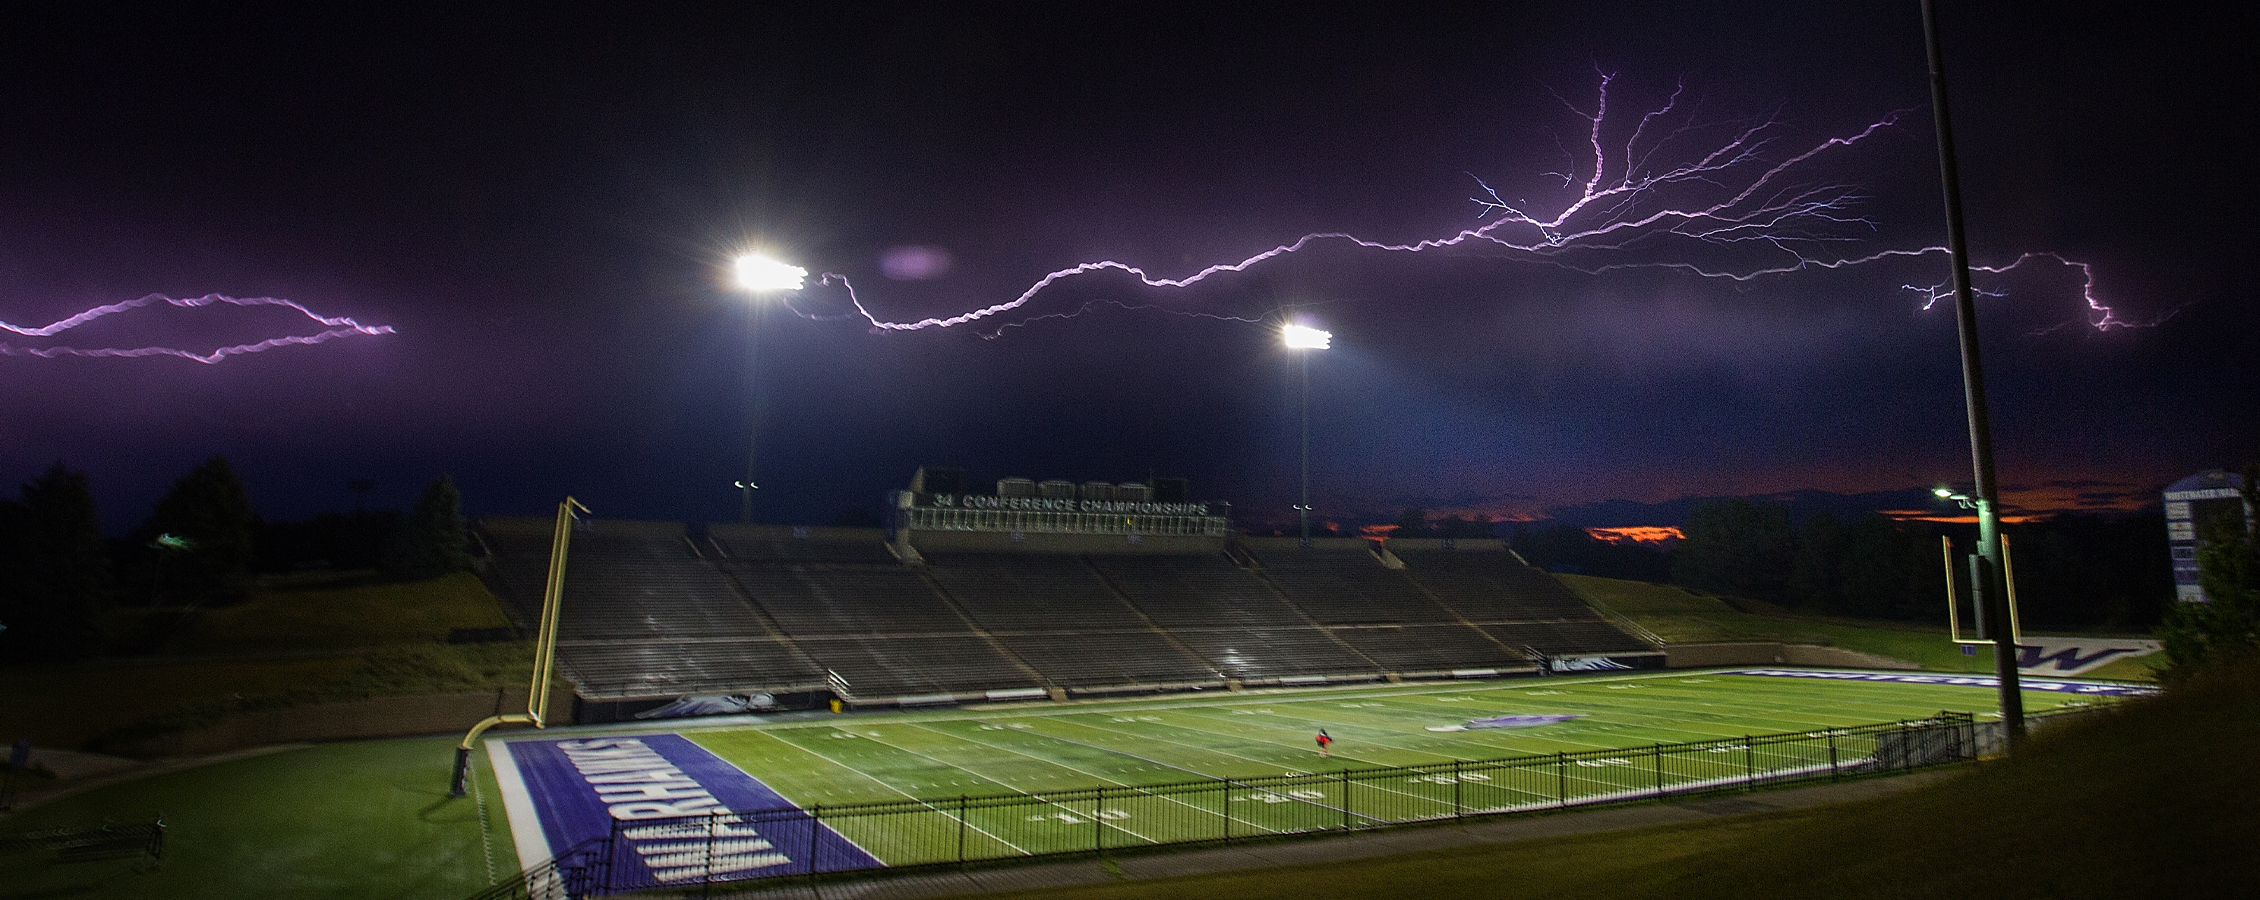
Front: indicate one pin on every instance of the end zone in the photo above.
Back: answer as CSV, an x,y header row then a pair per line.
x,y
560,793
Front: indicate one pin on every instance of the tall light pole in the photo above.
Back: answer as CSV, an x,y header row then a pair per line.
x,y
1992,598
757,275
1303,339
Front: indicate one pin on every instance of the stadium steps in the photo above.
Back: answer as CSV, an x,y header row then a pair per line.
x,y
1231,617
1058,615
1518,605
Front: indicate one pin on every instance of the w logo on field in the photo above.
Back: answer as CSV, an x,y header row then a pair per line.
x,y
2073,655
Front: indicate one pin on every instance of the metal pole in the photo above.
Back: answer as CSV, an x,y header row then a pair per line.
x,y
753,408
1227,807
1345,799
1990,597
1561,780
1302,509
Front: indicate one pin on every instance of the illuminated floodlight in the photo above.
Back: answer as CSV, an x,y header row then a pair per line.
x,y
1304,337
760,273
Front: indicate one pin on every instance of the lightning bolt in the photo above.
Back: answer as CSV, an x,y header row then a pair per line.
x,y
333,327
1643,196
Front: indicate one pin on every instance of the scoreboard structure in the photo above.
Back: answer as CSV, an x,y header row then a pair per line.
x,y
2191,503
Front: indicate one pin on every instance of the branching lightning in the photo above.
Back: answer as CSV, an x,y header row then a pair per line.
x,y
333,327
1648,196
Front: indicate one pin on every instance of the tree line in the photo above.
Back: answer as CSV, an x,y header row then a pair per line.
x,y
2072,571
202,545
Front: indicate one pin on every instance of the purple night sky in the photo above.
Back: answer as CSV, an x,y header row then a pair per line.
x,y
542,206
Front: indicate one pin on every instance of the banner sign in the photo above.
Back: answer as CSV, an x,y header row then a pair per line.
x,y
1060,504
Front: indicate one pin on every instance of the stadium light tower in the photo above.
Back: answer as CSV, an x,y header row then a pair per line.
x,y
1991,593
757,275
1304,339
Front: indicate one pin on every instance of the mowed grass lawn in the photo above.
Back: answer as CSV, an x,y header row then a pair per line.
x,y
360,820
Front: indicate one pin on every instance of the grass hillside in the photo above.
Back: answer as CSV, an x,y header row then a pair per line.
x,y
291,640
2152,800
1681,616
370,819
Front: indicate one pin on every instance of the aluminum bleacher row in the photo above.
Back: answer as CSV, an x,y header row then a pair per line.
x,y
649,611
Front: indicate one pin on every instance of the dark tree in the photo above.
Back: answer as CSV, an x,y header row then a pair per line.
x,y
2084,571
213,532
1573,550
2225,628
434,540
1816,573
1557,548
1412,523
54,569
1735,547
1892,570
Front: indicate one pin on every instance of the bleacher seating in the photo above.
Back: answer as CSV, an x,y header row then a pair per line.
x,y
1349,586
881,667
641,615
652,612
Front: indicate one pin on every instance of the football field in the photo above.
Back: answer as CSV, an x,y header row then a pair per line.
x,y
832,792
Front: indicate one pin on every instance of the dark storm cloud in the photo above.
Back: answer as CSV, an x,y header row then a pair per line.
x,y
542,209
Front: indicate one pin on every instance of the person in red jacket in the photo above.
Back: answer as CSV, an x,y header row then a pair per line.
x,y
1325,743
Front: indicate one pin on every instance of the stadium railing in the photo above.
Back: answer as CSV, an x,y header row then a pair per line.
x,y
739,846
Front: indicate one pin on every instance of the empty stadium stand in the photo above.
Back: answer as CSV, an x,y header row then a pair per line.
x,y
653,611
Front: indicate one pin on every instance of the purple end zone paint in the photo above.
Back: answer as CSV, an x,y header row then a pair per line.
x,y
2091,688
581,787
1525,721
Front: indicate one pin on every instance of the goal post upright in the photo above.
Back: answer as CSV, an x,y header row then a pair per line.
x,y
545,653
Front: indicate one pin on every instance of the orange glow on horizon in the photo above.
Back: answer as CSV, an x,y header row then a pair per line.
x,y
1636,534
1963,518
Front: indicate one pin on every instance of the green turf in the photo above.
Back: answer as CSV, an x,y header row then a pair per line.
x,y
1047,751
2155,801
359,820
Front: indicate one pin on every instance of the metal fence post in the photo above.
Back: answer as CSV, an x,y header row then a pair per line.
x,y
1561,780
1098,821
1345,799
815,834
961,804
1459,809
1226,807
1833,775
1749,763
1656,754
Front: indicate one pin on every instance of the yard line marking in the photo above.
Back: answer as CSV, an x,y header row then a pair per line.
x,y
922,801
1038,797
1345,800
